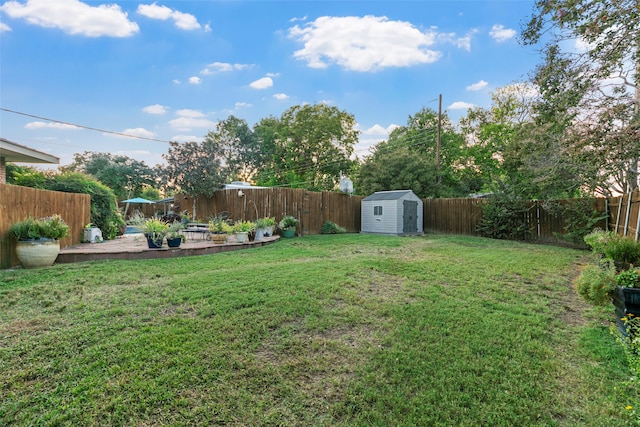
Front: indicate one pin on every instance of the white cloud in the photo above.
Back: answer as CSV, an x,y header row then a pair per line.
x,y
189,119
195,80
281,96
155,109
242,105
460,105
190,113
4,27
50,125
141,132
477,86
176,81
186,138
207,27
369,43
74,17
502,34
263,83
222,67
184,21
378,130
304,18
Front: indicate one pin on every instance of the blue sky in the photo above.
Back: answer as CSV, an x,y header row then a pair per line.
x,y
170,70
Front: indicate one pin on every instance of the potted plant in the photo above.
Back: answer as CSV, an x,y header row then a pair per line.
x,y
174,235
219,229
288,226
38,240
241,229
264,227
155,231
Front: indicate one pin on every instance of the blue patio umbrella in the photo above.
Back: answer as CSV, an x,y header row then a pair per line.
x,y
135,200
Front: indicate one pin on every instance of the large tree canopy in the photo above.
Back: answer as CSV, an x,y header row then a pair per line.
x,y
238,146
125,176
591,82
410,160
307,147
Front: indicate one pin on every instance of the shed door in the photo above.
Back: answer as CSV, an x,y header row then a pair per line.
x,y
410,217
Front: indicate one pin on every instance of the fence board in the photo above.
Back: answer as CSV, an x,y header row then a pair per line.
x,y
16,203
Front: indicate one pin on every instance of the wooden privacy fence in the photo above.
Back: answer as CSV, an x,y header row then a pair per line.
x,y
463,216
311,208
16,203
624,214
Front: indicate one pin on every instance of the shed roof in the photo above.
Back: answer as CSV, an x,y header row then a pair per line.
x,y
13,152
387,195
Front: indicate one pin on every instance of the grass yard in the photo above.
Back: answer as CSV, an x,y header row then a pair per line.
x,y
342,330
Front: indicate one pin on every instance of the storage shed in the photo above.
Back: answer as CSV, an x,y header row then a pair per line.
x,y
392,212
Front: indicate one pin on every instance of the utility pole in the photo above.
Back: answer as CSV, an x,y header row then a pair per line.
x,y
438,177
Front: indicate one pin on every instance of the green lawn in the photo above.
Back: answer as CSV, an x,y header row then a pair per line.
x,y
343,330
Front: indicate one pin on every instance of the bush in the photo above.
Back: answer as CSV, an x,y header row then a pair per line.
x,y
52,227
331,228
104,211
622,249
579,217
628,278
504,217
596,283
597,240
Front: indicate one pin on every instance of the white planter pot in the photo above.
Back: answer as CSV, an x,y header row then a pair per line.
x,y
37,253
242,236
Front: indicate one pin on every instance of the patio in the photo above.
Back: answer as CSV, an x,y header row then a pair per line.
x,y
134,246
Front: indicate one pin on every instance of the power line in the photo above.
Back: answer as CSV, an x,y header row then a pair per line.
x,y
83,127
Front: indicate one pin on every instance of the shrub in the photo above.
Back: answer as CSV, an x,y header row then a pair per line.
x,y
596,283
597,240
104,211
331,228
622,249
504,217
579,218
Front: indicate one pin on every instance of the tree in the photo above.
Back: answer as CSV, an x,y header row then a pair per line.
x,y
194,169
597,84
127,177
307,147
409,159
238,147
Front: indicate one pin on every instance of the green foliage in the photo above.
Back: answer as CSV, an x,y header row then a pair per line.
x,y
104,211
623,249
244,226
265,222
155,229
596,283
306,147
408,160
598,239
579,217
287,222
630,342
331,228
628,278
504,217
125,176
193,168
52,227
220,226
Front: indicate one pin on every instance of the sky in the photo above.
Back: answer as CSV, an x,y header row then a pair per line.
x,y
86,75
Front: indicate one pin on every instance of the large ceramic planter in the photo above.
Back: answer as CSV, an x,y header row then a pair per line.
x,y
37,253
218,239
626,301
288,233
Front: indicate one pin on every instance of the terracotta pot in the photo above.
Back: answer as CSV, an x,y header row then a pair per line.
x,y
219,239
37,253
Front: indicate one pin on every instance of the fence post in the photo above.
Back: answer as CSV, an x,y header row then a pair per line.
x,y
619,212
626,220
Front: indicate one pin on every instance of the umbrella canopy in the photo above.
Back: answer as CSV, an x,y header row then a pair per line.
x,y
137,200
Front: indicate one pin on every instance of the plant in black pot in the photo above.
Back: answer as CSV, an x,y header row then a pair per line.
x,y
38,240
174,235
155,231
